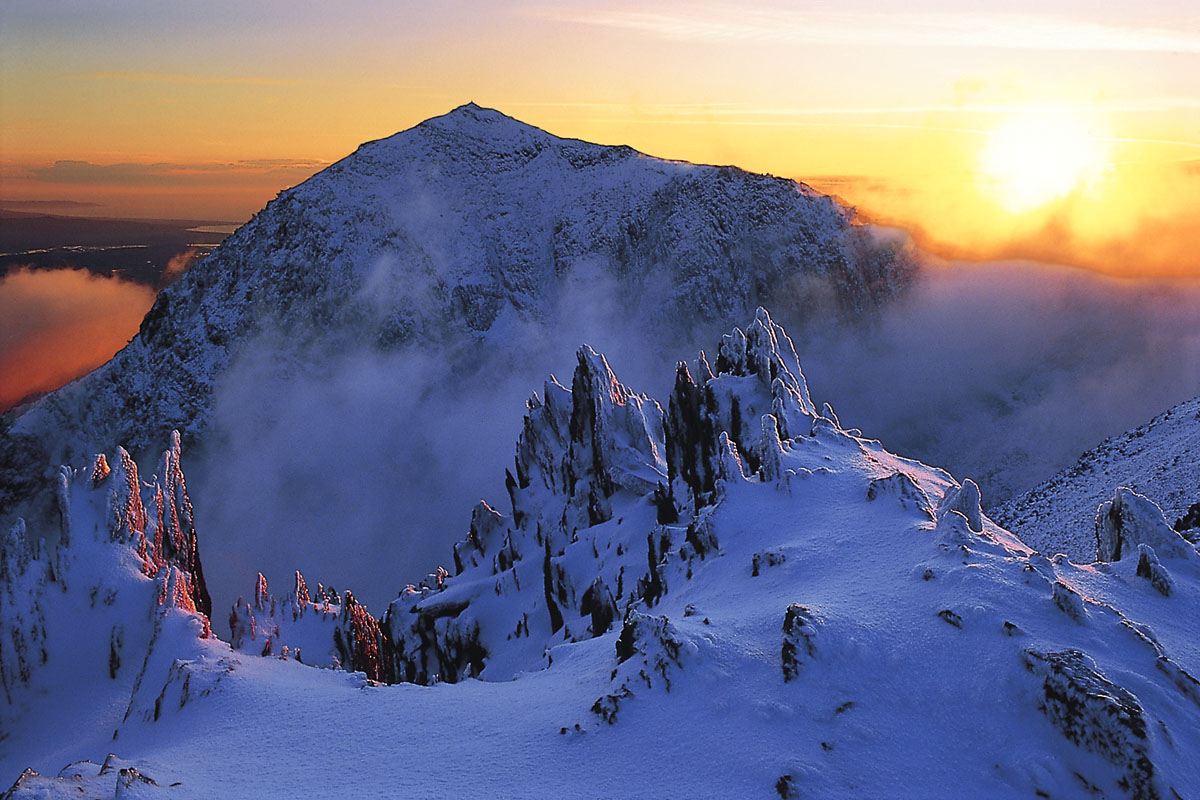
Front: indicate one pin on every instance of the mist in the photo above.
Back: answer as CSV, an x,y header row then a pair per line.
x,y
360,468
1006,372
55,325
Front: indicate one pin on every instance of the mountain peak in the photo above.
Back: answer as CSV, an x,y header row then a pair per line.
x,y
479,120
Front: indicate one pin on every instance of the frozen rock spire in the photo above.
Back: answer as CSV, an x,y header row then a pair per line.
x,y
564,565
1131,519
757,375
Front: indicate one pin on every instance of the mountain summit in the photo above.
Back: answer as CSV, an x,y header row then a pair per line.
x,y
463,238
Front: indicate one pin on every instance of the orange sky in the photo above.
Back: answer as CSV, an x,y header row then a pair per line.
x,y
206,110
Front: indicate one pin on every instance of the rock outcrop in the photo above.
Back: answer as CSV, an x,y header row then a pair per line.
x,y
1131,519
125,559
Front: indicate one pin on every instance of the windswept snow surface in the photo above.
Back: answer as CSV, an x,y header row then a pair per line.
x,y
797,613
1160,459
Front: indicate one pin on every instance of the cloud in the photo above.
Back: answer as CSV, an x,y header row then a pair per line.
x,y
163,173
167,77
47,205
1139,221
1006,371
360,466
176,266
56,325
724,22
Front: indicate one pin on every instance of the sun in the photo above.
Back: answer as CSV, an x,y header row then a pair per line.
x,y
1034,159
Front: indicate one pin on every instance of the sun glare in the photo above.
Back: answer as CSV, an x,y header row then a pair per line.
x,y
1033,159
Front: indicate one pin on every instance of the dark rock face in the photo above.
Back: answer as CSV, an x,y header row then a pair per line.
x,y
1150,568
1098,715
175,539
649,651
799,634
1190,521
785,787
174,542
757,375
358,640
691,440
599,603
950,618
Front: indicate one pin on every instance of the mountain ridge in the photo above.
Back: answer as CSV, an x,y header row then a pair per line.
x,y
468,244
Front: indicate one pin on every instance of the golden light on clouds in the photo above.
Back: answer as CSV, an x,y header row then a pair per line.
x,y
983,127
57,324
1032,159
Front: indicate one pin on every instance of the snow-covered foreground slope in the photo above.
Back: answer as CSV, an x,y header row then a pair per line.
x,y
731,597
1160,459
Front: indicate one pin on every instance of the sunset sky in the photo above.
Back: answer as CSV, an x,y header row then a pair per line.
x,y
1067,131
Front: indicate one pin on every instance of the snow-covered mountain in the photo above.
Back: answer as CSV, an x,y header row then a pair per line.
x,y
1160,459
731,596
447,238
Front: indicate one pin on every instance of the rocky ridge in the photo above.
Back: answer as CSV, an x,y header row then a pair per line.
x,y
740,539
1160,459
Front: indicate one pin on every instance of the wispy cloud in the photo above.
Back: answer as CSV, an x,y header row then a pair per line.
x,y
793,123
170,77
136,174
711,22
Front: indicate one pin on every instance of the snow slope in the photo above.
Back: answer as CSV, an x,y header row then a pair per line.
x,y
1160,459
732,597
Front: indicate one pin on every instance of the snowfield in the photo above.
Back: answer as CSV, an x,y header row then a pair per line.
x,y
731,595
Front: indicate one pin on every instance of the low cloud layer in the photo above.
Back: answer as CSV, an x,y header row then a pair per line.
x,y
137,174
56,325
1007,372
361,468
1137,221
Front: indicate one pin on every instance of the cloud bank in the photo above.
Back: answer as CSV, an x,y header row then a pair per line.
x,y
727,22
361,468
56,325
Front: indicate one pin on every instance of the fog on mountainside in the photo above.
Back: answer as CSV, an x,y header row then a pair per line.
x,y
366,470
1005,372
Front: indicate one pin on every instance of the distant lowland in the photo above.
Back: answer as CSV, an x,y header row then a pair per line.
x,y
141,251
